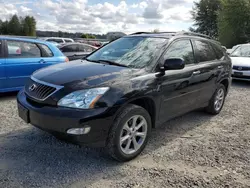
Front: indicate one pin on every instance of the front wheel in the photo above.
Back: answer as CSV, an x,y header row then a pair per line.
x,y
129,133
217,101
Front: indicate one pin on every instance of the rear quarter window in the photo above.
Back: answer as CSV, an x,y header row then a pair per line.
x,y
46,52
204,51
218,51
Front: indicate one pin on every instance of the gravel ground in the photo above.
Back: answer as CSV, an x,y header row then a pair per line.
x,y
195,150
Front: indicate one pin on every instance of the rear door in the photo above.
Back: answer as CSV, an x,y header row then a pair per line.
x,y
23,58
2,66
71,51
208,70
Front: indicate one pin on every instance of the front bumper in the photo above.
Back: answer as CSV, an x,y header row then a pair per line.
x,y
57,120
240,75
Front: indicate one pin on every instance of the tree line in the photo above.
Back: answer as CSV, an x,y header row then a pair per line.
x,y
225,20
18,26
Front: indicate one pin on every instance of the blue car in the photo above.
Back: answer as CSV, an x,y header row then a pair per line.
x,y
20,57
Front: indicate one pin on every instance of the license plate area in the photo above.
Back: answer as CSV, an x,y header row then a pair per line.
x,y
238,73
23,113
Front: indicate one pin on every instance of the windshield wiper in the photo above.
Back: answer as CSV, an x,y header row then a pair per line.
x,y
111,62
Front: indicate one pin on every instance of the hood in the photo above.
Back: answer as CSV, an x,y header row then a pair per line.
x,y
241,61
83,74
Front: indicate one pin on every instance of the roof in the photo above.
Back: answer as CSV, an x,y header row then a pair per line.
x,y
69,43
31,39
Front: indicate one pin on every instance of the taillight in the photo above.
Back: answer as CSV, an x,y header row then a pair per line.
x,y
66,59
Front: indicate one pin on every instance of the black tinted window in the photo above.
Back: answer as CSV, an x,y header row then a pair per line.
x,y
70,48
85,48
181,49
205,51
19,49
55,40
68,40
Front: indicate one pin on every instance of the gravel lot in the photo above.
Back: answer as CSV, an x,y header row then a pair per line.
x,y
195,150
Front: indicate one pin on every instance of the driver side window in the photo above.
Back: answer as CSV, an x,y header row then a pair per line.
x,y
181,49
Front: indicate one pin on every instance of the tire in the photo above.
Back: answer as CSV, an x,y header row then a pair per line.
x,y
211,108
127,116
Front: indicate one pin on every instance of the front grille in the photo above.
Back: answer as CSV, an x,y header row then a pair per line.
x,y
38,91
240,68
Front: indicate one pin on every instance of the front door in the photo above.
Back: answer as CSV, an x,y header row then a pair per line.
x,y
179,88
23,58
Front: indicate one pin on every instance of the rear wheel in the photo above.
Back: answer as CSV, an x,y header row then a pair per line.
x,y
217,101
129,134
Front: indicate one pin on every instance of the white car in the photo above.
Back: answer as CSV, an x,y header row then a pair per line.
x,y
241,62
58,40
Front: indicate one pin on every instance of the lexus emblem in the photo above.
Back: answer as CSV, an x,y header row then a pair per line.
x,y
239,68
32,87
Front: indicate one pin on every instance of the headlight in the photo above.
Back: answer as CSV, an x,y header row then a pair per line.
x,y
83,99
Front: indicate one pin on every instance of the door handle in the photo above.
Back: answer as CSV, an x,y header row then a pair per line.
x,y
42,61
220,67
196,72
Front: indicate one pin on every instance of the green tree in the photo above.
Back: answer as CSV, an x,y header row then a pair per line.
x,y
205,14
14,26
85,36
91,36
60,34
4,28
88,36
29,26
234,22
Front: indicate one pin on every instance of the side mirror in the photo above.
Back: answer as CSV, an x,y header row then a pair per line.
x,y
174,64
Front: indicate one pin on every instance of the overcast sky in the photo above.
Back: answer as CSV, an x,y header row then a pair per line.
x,y
102,16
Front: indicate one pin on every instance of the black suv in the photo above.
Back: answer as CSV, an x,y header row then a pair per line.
x,y
120,92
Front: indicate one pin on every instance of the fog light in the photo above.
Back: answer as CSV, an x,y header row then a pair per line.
x,y
79,131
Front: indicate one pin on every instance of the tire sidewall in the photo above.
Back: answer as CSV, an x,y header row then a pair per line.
x,y
119,126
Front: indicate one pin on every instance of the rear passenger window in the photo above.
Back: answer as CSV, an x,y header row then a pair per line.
x,y
205,51
46,52
181,49
68,40
70,48
85,48
55,40
19,49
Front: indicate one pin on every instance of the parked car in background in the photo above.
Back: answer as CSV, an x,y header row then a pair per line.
x,y
229,51
241,62
58,40
121,91
20,57
76,50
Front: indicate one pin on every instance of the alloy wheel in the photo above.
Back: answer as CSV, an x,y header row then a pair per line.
x,y
133,134
219,99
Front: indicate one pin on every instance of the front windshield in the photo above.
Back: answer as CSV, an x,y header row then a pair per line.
x,y
241,51
135,52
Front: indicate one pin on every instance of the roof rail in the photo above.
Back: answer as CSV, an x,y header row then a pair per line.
x,y
176,33
138,33
194,34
